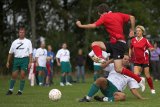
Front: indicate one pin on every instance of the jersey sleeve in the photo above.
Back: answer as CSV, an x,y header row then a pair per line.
x,y
11,50
105,54
149,45
109,67
125,17
37,53
58,54
132,83
100,21
30,47
91,53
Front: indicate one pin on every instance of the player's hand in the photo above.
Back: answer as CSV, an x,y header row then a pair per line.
x,y
78,23
131,34
7,64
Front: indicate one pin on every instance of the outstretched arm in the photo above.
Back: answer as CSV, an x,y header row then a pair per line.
x,y
137,94
132,20
86,26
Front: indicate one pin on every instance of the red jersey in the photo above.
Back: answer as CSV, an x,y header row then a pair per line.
x,y
114,23
139,48
48,68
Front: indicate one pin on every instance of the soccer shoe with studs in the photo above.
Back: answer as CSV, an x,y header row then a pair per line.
x,y
9,92
98,98
19,93
84,99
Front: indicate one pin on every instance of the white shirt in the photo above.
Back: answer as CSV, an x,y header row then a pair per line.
x,y
63,55
21,48
42,56
104,54
119,80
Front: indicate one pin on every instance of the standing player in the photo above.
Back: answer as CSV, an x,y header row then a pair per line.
x,y
114,23
41,59
139,45
97,66
21,48
63,60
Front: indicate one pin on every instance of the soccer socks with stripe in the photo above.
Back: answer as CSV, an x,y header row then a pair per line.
x,y
150,82
93,90
22,83
130,74
11,86
97,50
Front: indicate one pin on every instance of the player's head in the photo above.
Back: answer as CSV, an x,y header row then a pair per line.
x,y
64,45
80,51
140,30
21,32
125,60
49,47
43,45
102,8
155,45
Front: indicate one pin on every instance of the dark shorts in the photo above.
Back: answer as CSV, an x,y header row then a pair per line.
x,y
141,65
116,50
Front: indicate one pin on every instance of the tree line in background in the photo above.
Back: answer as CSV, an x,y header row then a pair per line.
x,y
55,20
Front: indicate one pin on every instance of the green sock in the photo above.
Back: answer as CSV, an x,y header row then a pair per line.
x,y
40,79
62,79
22,83
12,82
96,76
93,90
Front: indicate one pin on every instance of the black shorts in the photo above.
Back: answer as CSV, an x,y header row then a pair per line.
x,y
116,50
141,65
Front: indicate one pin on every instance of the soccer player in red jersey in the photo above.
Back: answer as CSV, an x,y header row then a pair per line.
x,y
139,46
113,22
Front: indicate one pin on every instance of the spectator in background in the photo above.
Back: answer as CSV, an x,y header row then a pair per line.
x,y
32,72
51,54
48,72
41,58
80,62
155,62
63,60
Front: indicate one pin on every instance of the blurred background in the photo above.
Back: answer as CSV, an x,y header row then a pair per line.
x,y
54,22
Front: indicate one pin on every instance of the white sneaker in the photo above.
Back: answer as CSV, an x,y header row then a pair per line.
x,y
67,83
61,84
153,91
142,84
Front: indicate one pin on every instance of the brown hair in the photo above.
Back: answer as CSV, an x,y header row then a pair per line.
x,y
102,8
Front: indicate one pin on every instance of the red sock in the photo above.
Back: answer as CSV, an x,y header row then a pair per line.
x,y
97,50
150,82
131,74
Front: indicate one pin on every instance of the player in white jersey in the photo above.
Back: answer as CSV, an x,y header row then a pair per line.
x,y
63,60
113,86
97,66
21,48
41,59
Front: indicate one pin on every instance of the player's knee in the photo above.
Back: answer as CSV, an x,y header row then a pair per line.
x,y
100,82
119,96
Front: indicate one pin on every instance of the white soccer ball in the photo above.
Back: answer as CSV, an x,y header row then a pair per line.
x,y
55,95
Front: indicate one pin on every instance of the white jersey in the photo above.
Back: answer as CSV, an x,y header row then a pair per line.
x,y
104,54
119,80
63,55
21,48
42,56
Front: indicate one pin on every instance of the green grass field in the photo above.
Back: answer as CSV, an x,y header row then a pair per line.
x,y
38,96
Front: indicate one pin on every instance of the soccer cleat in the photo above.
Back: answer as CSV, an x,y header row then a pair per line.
x,y
84,99
67,83
142,84
9,92
61,84
153,91
19,93
98,98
